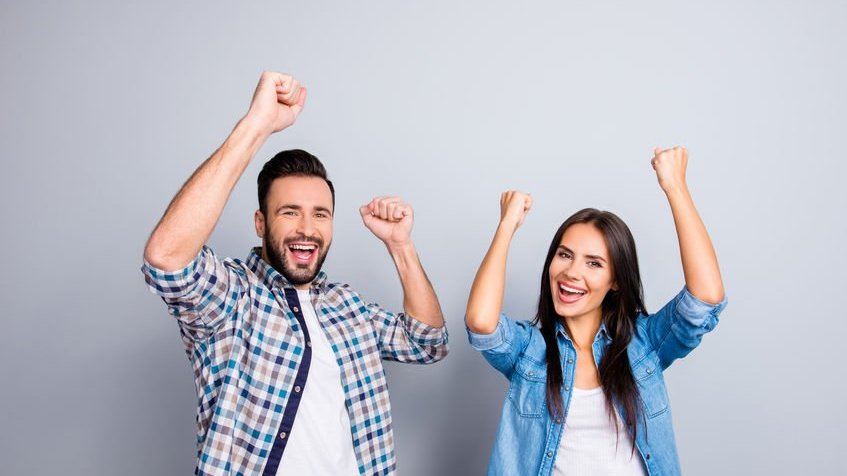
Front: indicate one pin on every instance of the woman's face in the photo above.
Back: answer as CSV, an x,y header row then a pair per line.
x,y
581,273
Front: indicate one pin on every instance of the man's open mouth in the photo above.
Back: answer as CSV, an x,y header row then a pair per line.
x,y
303,252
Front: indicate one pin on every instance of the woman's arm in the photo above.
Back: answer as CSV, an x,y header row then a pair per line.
x,y
486,296
699,262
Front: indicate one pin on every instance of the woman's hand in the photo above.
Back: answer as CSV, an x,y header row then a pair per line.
x,y
670,165
514,206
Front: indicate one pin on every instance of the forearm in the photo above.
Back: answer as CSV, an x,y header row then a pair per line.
x,y
486,297
192,214
699,261
419,298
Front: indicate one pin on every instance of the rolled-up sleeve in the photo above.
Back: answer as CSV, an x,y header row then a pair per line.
x,y
502,347
200,295
403,338
679,327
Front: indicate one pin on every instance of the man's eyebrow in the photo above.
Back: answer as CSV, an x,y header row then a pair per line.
x,y
288,205
292,206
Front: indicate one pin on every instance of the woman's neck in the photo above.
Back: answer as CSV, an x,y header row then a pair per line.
x,y
583,329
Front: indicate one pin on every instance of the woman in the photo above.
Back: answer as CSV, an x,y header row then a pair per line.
x,y
587,382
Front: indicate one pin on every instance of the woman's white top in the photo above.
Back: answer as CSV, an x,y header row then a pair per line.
x,y
590,444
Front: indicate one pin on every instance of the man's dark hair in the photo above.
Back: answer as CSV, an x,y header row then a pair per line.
x,y
288,163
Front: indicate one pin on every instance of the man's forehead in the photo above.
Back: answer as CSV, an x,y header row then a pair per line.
x,y
300,190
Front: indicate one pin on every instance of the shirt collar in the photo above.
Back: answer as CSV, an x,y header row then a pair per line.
x,y
602,333
271,277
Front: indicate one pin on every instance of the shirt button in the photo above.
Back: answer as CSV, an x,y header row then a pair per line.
x,y
532,374
567,387
558,420
296,309
549,454
648,456
309,344
570,361
282,435
649,371
297,388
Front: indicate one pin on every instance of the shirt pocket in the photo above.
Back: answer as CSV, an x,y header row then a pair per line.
x,y
651,385
527,388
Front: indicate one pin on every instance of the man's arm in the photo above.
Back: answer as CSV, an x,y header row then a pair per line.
x,y
190,218
390,220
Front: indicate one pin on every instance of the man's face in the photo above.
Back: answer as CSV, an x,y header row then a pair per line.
x,y
297,231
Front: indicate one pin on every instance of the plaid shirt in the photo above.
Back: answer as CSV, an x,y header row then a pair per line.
x,y
250,350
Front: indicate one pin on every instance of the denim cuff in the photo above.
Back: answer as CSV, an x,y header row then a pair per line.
x,y
482,342
698,312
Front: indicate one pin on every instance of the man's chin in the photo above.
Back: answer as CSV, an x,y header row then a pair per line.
x,y
300,276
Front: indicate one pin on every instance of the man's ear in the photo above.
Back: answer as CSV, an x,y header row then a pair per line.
x,y
259,220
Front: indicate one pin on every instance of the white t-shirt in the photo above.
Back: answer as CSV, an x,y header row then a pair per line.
x,y
590,446
320,442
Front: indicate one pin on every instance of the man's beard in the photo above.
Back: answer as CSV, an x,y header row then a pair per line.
x,y
277,258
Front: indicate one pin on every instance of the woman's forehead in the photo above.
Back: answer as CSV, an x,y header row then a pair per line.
x,y
585,239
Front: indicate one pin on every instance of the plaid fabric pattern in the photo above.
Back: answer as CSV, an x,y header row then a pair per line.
x,y
245,346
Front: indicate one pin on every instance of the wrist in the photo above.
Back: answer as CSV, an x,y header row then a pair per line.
x,y
255,126
400,248
675,187
507,227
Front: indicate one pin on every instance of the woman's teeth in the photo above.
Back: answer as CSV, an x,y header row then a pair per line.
x,y
569,290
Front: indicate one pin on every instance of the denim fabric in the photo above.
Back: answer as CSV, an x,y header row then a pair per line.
x,y
528,438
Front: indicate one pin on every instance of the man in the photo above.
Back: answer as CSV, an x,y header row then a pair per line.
x,y
287,365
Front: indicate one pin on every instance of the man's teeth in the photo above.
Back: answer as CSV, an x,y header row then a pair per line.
x,y
303,247
570,290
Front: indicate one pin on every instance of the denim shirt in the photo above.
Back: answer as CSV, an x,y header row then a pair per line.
x,y
528,438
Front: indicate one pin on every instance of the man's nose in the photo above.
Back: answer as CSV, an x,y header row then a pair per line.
x,y
306,226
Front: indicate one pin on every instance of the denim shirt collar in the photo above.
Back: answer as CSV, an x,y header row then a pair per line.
x,y
274,279
602,333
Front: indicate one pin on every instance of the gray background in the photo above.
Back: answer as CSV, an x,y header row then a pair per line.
x,y
107,107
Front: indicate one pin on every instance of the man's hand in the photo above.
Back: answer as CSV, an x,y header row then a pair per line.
x,y
389,219
194,211
513,208
277,102
670,165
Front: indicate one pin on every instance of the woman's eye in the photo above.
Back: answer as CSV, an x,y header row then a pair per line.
x,y
594,264
565,255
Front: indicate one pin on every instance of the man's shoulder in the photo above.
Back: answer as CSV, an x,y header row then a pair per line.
x,y
244,275
337,288
342,295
